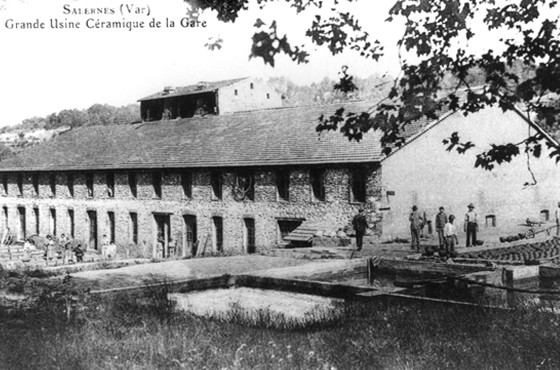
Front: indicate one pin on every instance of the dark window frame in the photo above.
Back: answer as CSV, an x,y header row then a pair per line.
x,y
90,185
133,184
250,230
187,184
52,184
492,219
358,186
70,184
112,226
216,185
5,183
52,215
218,223
245,192
72,222
35,183
133,237
157,184
317,181
110,181
19,181
282,182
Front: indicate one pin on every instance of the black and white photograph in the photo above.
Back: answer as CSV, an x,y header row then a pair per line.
x,y
280,184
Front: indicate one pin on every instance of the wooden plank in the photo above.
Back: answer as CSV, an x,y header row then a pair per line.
x,y
549,271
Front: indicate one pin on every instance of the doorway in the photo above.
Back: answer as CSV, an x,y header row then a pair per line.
x,y
22,225
92,224
163,235
249,235
189,235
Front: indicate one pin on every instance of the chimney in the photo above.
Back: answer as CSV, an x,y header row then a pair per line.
x,y
168,90
201,85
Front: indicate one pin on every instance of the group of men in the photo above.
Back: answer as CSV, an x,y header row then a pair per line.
x,y
446,229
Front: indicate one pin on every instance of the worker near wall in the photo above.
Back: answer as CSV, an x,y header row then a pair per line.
x,y
441,220
450,233
359,222
416,224
471,225
557,213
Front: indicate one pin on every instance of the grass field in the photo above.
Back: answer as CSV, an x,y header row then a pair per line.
x,y
146,332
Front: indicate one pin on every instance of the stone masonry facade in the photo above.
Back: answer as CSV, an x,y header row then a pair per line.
x,y
29,199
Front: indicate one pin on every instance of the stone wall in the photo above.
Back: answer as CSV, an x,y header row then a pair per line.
x,y
266,208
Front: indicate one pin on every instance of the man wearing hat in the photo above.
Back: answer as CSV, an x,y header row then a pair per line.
x,y
471,225
359,222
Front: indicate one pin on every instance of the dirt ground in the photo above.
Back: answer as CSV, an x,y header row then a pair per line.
x,y
182,270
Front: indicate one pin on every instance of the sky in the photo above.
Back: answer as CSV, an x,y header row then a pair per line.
x,y
43,71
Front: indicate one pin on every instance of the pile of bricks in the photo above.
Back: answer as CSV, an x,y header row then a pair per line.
x,y
13,255
543,250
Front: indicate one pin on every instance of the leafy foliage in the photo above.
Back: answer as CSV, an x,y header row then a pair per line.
x,y
441,67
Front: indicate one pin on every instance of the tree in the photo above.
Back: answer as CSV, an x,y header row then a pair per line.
x,y
438,63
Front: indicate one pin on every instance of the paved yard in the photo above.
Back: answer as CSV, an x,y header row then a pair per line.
x,y
183,270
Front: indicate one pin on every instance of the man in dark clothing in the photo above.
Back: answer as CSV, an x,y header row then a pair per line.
x,y
416,224
359,222
441,220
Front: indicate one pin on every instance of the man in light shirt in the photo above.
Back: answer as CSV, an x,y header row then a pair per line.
x,y
450,233
471,225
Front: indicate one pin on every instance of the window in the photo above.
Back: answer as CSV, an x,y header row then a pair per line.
x,y
133,231
36,219
186,184
218,237
20,183
52,184
491,221
252,86
52,221
244,187
545,215
156,183
317,177
110,184
5,184
35,182
358,186
111,226
249,235
70,183
89,184
283,185
267,95
71,222
235,92
216,182
132,184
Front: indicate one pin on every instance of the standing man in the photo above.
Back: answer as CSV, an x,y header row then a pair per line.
x,y
359,222
416,223
471,225
441,220
450,233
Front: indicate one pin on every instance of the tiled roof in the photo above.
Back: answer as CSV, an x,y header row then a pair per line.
x,y
193,89
284,136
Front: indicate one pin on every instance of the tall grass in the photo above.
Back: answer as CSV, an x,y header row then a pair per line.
x,y
143,331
